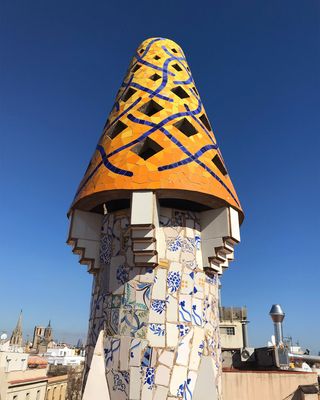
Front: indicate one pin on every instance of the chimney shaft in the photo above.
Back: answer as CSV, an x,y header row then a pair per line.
x,y
245,333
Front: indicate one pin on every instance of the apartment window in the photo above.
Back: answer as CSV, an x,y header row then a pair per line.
x,y
15,397
38,395
227,330
28,396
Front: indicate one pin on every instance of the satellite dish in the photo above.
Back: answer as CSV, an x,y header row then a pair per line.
x,y
3,336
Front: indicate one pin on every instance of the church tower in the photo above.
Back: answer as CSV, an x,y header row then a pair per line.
x,y
155,219
16,337
48,333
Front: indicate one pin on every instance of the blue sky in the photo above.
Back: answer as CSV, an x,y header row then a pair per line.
x,y
256,65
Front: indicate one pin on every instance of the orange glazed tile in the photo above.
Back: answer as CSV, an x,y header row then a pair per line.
x,y
157,135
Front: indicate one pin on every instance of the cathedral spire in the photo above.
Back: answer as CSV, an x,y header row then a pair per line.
x,y
16,337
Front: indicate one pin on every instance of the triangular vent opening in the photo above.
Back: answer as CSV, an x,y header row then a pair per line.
x,y
185,127
180,92
128,93
135,68
150,108
177,67
219,164
205,121
117,128
147,148
155,77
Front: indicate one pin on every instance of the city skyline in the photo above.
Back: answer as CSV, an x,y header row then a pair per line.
x,y
256,68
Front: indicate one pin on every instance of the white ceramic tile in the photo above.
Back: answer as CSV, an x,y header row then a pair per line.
x,y
189,228
172,309
187,283
172,335
206,288
173,282
197,348
147,383
160,393
143,291
118,384
135,353
147,275
197,312
173,246
159,286
175,266
111,352
191,381
154,356
185,308
157,312
129,297
188,260
178,377
162,375
135,383
161,243
199,281
156,335
166,358
184,349
199,260
118,275
146,393
124,352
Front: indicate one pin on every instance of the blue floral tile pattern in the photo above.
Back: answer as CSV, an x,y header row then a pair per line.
x,y
173,281
121,381
158,306
183,329
157,329
174,244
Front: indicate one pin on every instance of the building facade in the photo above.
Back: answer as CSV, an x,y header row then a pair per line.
x,y
233,325
57,388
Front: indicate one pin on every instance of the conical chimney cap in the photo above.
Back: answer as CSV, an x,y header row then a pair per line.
x,y
276,313
158,137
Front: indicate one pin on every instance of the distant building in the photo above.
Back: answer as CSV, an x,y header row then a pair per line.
x,y
18,380
63,355
16,337
42,338
233,321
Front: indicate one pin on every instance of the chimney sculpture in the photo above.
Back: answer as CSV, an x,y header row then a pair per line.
x,y
155,219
